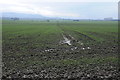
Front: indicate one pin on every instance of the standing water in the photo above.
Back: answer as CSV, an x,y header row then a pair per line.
x,y
66,40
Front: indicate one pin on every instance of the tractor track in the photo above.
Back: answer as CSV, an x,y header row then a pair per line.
x,y
84,37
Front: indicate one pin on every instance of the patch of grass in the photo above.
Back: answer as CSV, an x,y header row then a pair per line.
x,y
72,62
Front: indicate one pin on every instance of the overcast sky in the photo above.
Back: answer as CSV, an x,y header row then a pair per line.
x,y
81,9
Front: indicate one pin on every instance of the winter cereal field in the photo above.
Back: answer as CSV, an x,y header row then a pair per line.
x,y
60,48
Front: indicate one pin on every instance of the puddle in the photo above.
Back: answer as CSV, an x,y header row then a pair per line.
x,y
47,50
80,43
72,37
66,40
88,48
74,48
83,48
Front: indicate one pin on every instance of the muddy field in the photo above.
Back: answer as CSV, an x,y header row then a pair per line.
x,y
60,49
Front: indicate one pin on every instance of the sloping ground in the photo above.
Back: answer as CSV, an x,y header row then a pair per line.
x,y
55,50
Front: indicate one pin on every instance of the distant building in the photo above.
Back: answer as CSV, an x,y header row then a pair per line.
x,y
15,19
75,20
109,18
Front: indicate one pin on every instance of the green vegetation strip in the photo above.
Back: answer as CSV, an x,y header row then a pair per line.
x,y
67,62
